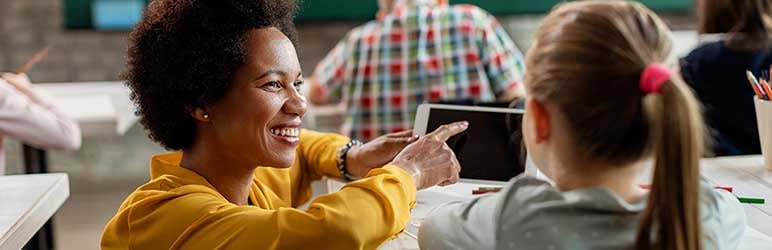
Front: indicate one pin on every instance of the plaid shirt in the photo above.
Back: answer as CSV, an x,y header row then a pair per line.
x,y
420,52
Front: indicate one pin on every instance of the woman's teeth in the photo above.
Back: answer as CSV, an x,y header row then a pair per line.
x,y
288,132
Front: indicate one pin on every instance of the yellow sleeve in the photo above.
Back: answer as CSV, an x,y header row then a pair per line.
x,y
362,215
318,153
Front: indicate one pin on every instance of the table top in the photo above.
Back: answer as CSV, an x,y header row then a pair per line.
x,y
100,108
28,202
746,174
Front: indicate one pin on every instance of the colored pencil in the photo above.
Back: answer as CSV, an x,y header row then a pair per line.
x,y
24,68
767,88
754,84
489,188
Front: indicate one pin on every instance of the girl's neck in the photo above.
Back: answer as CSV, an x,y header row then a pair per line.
x,y
623,180
230,177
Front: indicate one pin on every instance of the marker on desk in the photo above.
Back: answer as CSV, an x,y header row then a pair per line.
x,y
483,190
730,189
751,200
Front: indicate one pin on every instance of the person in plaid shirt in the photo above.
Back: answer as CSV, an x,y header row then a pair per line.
x,y
416,51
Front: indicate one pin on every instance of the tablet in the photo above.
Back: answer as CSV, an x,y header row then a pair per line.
x,y
490,149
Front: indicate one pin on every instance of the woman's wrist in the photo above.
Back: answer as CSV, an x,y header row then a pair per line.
x,y
344,160
353,163
411,169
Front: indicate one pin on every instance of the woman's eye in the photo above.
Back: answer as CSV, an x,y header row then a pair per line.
x,y
298,84
272,85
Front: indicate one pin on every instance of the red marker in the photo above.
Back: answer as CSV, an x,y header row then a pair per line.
x,y
475,192
730,189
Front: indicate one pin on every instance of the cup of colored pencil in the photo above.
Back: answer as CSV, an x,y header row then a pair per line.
x,y
763,106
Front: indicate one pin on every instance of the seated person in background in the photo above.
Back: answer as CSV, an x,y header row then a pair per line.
x,y
31,118
219,81
416,51
716,70
605,102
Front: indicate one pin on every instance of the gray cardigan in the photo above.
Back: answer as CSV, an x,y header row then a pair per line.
x,y
532,214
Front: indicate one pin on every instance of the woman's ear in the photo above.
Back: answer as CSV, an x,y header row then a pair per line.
x,y
200,114
540,119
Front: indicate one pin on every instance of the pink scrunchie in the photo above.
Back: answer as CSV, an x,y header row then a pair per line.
x,y
653,76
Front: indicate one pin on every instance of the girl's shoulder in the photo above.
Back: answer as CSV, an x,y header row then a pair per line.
x,y
723,218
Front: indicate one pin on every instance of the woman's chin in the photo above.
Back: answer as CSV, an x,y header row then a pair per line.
x,y
283,161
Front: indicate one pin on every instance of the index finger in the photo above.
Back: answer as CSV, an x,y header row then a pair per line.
x,y
446,131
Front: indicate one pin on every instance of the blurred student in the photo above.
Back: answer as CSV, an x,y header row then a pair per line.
x,y
605,103
716,70
416,51
31,118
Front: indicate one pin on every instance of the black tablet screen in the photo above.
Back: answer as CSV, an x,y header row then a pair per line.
x,y
490,149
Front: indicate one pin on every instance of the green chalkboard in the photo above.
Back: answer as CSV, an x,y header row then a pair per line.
x,y
316,10
77,13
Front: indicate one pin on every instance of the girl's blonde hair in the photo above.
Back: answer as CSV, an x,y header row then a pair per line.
x,y
587,59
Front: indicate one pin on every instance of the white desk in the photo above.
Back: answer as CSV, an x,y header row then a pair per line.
x,y
748,177
28,201
100,108
745,174
429,198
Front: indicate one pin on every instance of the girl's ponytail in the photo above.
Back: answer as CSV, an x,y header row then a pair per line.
x,y
672,218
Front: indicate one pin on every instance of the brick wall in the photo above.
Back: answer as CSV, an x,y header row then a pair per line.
x,y
29,25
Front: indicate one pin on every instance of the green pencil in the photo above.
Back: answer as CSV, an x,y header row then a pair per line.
x,y
751,200
489,188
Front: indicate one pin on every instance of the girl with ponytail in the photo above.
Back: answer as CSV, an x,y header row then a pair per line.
x,y
605,107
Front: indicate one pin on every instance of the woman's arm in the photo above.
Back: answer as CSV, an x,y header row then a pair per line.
x,y
362,215
31,118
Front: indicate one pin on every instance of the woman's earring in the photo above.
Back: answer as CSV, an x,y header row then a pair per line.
x,y
206,116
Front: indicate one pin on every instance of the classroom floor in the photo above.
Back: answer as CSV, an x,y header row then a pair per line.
x,y
79,223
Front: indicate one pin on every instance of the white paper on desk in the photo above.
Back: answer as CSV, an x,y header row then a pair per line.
x,y
96,107
753,239
432,197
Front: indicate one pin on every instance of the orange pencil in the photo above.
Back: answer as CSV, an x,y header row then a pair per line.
x,y
33,60
766,87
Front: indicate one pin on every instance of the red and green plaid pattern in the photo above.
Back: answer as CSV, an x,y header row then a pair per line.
x,y
420,52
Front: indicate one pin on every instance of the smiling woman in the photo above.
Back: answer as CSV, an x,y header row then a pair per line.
x,y
219,82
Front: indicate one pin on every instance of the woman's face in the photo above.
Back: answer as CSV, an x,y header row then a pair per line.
x,y
259,118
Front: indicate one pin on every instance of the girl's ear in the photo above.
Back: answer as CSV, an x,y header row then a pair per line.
x,y
541,120
200,114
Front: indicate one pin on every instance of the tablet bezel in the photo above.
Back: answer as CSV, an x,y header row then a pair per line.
x,y
422,114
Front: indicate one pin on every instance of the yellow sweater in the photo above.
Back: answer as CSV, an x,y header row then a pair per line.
x,y
179,209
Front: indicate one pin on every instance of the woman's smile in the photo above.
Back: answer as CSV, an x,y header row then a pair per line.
x,y
286,134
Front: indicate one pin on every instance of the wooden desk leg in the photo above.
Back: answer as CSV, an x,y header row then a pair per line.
x,y
35,162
